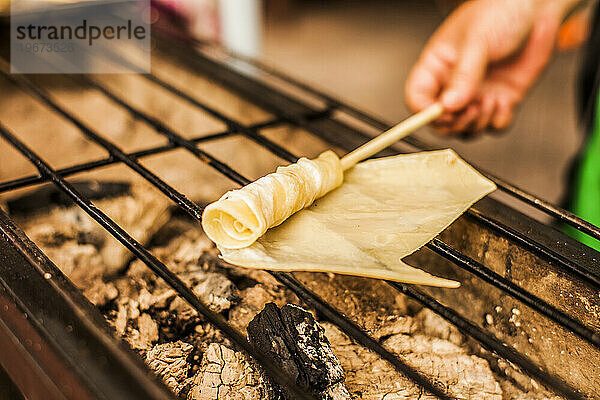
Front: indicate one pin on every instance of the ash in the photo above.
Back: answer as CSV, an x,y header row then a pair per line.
x,y
197,362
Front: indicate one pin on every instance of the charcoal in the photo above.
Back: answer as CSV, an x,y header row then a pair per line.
x,y
253,300
451,367
140,330
183,312
433,325
146,299
298,346
83,264
217,292
162,299
198,362
101,293
147,332
80,247
395,325
374,300
182,309
47,196
169,361
120,321
228,375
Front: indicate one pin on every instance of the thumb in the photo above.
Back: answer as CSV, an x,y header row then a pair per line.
x,y
467,75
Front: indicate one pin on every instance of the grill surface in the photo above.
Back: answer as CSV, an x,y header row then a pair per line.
x,y
511,252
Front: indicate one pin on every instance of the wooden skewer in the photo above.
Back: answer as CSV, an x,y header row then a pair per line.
x,y
392,135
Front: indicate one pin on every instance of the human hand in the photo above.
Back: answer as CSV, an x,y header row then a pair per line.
x,y
482,60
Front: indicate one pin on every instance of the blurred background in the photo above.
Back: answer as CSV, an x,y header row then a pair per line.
x,y
362,52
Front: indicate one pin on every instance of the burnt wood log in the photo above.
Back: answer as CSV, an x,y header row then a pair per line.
x,y
297,344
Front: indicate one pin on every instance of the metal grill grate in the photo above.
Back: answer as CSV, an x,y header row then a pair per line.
x,y
241,76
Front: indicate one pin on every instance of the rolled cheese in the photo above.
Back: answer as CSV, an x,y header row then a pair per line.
x,y
241,216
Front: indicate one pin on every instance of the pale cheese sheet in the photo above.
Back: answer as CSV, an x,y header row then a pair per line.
x,y
386,209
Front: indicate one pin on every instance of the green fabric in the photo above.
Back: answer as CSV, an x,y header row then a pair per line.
x,y
586,199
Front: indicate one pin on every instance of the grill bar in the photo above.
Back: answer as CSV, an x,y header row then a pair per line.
x,y
444,250
352,330
248,132
196,212
178,139
346,325
75,169
515,291
303,119
542,205
589,276
332,131
490,342
158,267
486,340
113,150
83,167
547,207
47,348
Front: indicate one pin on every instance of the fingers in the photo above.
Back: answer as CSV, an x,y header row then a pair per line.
x,y
490,111
422,88
503,114
466,120
460,123
488,107
479,64
456,76
467,75
426,79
